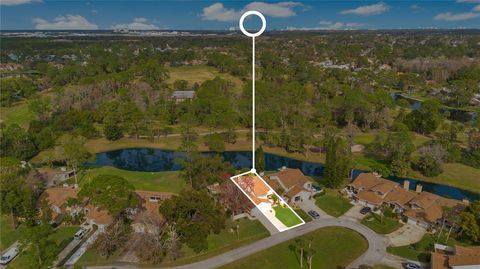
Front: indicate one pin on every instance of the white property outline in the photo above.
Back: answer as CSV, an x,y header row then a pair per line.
x,y
253,170
279,197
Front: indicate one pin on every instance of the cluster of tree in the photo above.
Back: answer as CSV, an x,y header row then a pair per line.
x,y
16,89
470,222
195,215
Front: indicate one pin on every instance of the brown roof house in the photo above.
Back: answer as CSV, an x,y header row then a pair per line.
x,y
457,257
292,184
418,207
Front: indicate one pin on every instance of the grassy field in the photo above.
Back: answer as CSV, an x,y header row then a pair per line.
x,y
335,248
199,74
8,235
419,251
17,114
62,236
333,203
145,181
373,221
303,215
286,216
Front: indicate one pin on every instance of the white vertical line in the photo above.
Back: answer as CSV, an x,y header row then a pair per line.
x,y
253,102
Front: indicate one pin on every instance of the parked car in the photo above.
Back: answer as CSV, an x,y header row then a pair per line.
x,y
9,255
410,265
365,210
81,233
314,214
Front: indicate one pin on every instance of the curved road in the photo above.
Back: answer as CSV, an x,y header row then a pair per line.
x,y
375,253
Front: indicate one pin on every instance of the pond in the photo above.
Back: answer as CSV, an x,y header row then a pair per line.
x,y
459,115
157,160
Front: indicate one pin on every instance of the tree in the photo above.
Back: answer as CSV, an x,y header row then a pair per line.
x,y
205,170
234,199
112,131
260,159
41,247
195,215
426,119
114,238
215,142
338,161
16,143
300,243
111,192
470,221
73,152
431,160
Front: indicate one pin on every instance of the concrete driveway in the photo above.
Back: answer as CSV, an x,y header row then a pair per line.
x,y
308,205
353,213
406,235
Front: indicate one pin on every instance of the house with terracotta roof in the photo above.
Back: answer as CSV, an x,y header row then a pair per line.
x,y
292,183
417,207
457,257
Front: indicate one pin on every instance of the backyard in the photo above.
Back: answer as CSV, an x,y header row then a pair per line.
x,y
332,202
334,247
145,181
374,222
286,216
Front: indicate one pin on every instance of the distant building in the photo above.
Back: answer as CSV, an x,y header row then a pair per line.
x,y
180,96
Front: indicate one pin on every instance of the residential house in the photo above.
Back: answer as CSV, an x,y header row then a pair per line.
x,y
292,184
457,257
56,199
421,208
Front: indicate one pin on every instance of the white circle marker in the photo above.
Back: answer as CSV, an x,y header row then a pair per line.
x,y
248,13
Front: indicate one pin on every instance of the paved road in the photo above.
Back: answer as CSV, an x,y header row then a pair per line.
x,y
374,254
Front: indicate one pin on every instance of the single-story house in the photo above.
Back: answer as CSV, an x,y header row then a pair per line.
x,y
292,184
418,207
457,257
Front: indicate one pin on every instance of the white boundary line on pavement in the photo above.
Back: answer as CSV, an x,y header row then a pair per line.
x,y
279,197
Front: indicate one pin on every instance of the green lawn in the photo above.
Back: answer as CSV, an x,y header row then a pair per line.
x,y
335,248
332,203
286,216
421,250
62,236
303,215
373,221
381,266
145,181
8,236
17,114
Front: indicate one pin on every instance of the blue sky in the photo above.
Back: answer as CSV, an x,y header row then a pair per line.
x,y
215,15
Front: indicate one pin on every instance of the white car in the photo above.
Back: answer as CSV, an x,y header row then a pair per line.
x,y
9,255
81,233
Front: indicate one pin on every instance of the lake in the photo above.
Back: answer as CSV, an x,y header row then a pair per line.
x,y
159,160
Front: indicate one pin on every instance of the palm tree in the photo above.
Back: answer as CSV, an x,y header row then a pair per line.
x,y
311,253
301,245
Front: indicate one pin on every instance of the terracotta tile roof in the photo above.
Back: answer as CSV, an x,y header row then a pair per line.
x,y
259,191
58,196
365,181
471,251
273,183
99,215
290,177
399,196
424,199
439,261
385,186
370,197
294,191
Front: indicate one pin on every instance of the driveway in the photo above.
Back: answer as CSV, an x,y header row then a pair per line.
x,y
353,213
406,235
80,251
374,254
308,205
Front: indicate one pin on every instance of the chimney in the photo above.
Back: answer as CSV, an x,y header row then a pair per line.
x,y
406,184
262,174
419,188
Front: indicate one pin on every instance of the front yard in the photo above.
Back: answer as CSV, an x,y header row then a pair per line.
x,y
332,202
374,222
421,250
286,216
335,247
8,235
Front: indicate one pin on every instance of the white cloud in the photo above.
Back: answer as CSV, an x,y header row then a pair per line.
x,y
416,8
477,8
218,12
137,24
449,16
374,9
328,25
468,1
68,22
16,2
